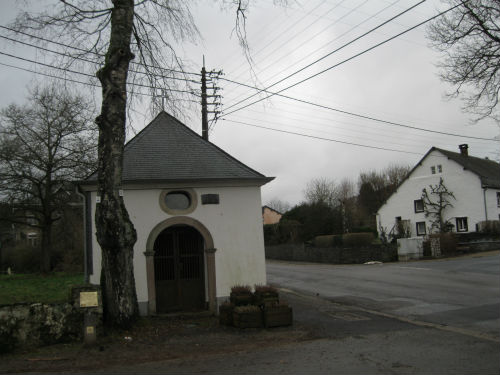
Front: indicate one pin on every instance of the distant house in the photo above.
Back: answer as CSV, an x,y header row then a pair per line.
x,y
475,183
197,213
270,215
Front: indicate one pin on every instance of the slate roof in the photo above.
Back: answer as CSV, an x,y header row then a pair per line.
x,y
487,170
166,150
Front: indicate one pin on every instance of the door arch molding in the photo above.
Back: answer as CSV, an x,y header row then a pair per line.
x,y
209,250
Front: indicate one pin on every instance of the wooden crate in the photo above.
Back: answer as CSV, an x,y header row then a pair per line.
x,y
278,316
247,319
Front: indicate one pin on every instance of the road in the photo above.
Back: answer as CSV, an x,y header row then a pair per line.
x,y
429,317
463,293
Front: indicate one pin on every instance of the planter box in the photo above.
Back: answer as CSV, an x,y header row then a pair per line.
x,y
241,299
247,319
278,316
266,298
226,314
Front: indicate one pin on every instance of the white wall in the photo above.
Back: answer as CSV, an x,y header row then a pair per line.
x,y
465,185
235,225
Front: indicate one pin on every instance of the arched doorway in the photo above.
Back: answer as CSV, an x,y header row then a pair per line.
x,y
179,269
209,259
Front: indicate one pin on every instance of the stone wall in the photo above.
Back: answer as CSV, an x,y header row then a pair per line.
x,y
38,324
332,255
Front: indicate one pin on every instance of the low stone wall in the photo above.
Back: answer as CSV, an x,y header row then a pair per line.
x,y
332,255
477,246
38,324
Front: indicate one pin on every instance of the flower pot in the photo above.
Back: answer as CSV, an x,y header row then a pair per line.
x,y
241,298
247,319
266,298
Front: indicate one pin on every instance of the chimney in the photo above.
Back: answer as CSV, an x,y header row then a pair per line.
x,y
464,149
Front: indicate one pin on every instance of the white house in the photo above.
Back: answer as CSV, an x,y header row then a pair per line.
x,y
474,182
197,213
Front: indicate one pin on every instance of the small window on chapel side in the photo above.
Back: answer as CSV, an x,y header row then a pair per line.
x,y
433,169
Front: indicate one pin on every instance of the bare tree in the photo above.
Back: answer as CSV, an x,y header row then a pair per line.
x,y
436,201
44,145
110,35
469,38
322,190
278,205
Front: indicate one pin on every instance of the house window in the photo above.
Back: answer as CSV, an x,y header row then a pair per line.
x,y
421,228
419,205
177,202
440,168
433,169
462,224
498,199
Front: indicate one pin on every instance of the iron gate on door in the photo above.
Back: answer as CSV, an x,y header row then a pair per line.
x,y
179,276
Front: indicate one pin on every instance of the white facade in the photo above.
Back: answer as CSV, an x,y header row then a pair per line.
x,y
473,202
235,225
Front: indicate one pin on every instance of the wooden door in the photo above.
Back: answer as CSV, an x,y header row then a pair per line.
x,y
179,276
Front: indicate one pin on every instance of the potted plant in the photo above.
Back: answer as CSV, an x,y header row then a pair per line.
x,y
248,316
265,295
241,295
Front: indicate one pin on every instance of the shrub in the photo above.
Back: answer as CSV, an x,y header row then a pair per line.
x,y
448,243
237,289
331,240
357,239
246,309
22,258
489,227
265,289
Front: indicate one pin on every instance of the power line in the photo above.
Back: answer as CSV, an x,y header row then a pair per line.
x,y
344,61
328,43
87,74
322,138
359,115
88,60
334,51
87,51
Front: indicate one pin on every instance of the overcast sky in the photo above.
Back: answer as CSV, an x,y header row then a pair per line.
x,y
396,82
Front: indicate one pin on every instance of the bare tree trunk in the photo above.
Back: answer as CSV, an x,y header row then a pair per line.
x,y
45,247
115,232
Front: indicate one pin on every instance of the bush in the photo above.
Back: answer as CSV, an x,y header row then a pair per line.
x,y
357,239
331,240
448,243
489,227
286,231
22,258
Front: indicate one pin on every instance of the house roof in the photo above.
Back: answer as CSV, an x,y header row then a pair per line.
x,y
269,208
487,170
166,150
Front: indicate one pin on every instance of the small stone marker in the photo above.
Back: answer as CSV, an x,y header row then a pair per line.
x,y
88,299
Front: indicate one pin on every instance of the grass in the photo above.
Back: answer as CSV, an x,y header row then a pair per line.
x,y
19,288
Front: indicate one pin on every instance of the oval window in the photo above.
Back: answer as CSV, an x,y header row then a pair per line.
x,y
177,200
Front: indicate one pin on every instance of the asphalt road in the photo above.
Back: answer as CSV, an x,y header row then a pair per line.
x,y
462,293
432,317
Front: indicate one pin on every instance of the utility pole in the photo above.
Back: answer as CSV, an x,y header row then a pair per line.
x,y
212,75
204,114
